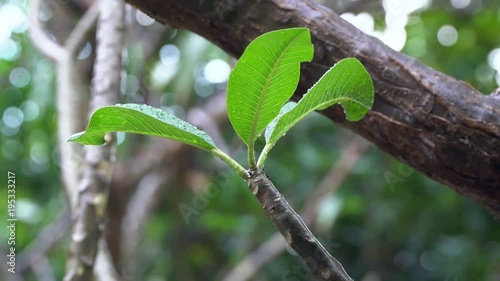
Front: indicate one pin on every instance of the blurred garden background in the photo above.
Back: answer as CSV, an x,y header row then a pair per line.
x,y
176,213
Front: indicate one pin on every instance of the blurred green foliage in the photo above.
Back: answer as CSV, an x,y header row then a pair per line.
x,y
415,229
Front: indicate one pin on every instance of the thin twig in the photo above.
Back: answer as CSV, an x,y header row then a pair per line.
x,y
5,266
44,241
77,37
40,39
139,207
320,263
275,244
333,180
71,90
255,260
43,270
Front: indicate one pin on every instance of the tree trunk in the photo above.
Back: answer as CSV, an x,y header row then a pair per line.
x,y
428,120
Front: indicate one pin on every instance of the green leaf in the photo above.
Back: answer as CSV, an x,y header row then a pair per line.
x,y
270,128
347,83
264,78
141,119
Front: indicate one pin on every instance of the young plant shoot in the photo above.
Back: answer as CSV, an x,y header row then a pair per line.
x,y
259,87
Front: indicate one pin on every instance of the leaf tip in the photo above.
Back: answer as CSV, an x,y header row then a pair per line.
x,y
82,138
75,137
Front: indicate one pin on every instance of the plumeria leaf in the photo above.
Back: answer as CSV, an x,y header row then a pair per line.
x,y
264,78
141,119
346,83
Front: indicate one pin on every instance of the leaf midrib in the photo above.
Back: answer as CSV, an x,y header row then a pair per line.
x,y
261,99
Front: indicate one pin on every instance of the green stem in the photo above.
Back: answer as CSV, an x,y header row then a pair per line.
x,y
251,156
230,161
263,155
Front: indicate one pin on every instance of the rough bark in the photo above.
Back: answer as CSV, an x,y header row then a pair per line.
x,y
438,125
87,244
320,263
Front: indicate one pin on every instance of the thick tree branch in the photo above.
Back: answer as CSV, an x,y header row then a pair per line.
x,y
93,190
430,121
72,92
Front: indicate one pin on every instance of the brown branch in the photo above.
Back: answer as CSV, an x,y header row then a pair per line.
x,y
333,180
43,270
93,189
255,260
430,121
40,40
77,37
44,241
320,263
273,246
138,210
72,91
4,265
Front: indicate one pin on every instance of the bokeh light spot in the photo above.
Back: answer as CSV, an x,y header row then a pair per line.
x,y
169,54
447,35
9,50
494,59
428,260
12,19
12,149
13,117
144,19
30,110
203,88
460,4
28,211
216,71
85,51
